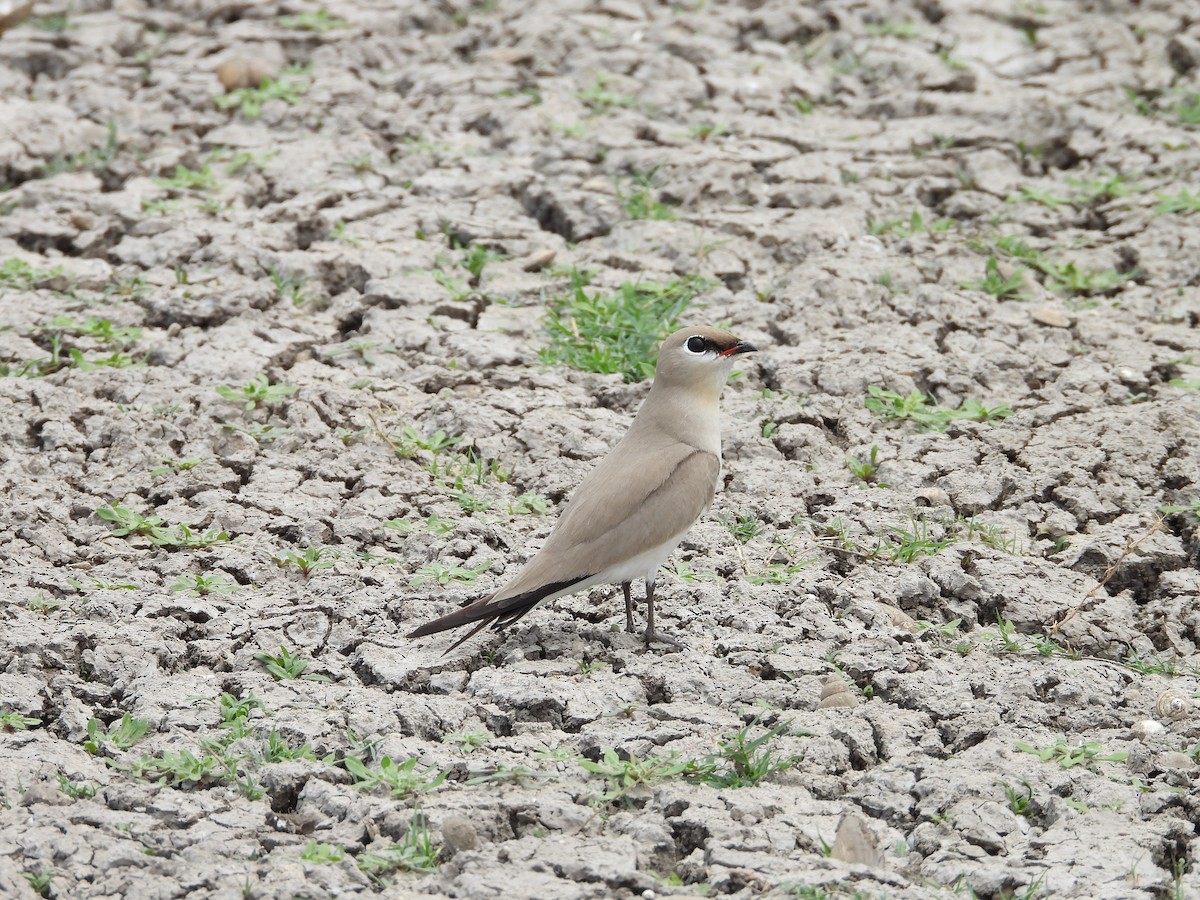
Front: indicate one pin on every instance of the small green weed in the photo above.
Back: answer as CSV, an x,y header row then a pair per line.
x,y
186,179
439,573
599,99
531,503
178,465
20,275
319,21
11,722
257,392
126,522
289,287
262,432
314,852
916,408
1019,800
744,528
742,760
249,101
615,332
907,228
624,774
1068,756
415,852
995,283
203,585
39,882
120,735
286,665
76,790
182,769
402,780
308,560
864,470
1182,203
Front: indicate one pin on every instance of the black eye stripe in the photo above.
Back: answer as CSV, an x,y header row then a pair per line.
x,y
696,344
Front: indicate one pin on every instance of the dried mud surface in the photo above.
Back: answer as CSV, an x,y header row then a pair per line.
x,y
794,144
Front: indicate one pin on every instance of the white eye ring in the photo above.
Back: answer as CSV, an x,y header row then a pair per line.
x,y
696,345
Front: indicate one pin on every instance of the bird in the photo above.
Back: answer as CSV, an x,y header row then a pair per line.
x,y
628,514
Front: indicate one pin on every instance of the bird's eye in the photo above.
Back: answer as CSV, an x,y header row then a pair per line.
x,y
696,344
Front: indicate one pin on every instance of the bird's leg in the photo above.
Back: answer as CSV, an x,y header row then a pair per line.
x,y
649,636
625,586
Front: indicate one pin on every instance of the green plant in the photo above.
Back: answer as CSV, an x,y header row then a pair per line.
x,y
469,739
779,573
402,780
275,748
624,774
125,522
914,224
913,542
286,665
641,202
289,287
178,465
600,100
1192,507
439,573
1019,800
531,503
261,432
319,20
472,504
39,881
435,524
249,101
308,560
182,769
742,761
235,711
1187,110
1068,756
615,332
100,584
122,735
409,441
1182,203
476,258
103,331
946,629
14,721
20,275
864,470
1151,665
76,790
995,283
257,392
314,852
744,528
915,407
415,852
203,584
186,179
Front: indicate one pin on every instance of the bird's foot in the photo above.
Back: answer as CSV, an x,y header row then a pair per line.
x,y
652,636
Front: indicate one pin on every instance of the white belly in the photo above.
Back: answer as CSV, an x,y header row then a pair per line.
x,y
644,565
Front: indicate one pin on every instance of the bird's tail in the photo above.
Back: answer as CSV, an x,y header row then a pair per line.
x,y
497,610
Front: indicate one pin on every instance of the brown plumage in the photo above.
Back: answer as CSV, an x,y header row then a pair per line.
x,y
631,511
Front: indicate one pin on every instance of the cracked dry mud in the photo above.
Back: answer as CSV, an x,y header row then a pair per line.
x,y
987,203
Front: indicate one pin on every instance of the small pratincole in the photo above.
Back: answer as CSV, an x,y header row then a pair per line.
x,y
632,510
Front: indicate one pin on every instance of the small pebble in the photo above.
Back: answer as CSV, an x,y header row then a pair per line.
x,y
239,72
836,693
1052,317
1148,728
459,834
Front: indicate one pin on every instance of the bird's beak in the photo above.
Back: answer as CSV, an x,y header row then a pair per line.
x,y
739,347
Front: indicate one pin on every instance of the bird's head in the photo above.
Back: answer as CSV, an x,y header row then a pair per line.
x,y
698,359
